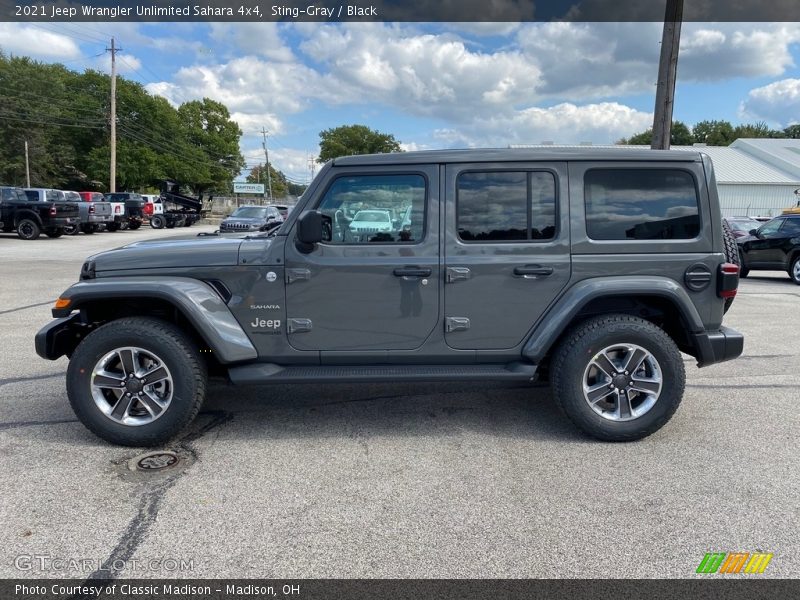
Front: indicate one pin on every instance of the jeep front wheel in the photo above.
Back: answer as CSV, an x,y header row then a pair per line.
x,y
136,381
618,378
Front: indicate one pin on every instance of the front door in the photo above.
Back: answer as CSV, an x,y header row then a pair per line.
x,y
372,284
506,252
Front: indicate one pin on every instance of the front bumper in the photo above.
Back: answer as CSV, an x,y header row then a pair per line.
x,y
718,346
59,337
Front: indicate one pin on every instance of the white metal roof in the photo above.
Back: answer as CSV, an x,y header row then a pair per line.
x,y
783,154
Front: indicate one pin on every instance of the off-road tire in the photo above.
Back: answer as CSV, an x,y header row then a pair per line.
x,y
731,254
157,222
89,229
577,348
28,229
72,229
55,232
134,225
112,227
794,270
179,354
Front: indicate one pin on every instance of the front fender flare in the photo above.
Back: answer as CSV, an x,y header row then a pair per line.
x,y
196,300
560,315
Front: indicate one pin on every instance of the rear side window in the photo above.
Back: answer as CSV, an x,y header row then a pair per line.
x,y
496,206
641,204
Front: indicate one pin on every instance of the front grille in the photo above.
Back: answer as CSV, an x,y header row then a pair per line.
x,y
235,227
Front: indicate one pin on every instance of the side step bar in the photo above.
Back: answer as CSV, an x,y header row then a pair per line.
x,y
272,373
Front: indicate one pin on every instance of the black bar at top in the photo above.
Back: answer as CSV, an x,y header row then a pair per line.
x,y
393,10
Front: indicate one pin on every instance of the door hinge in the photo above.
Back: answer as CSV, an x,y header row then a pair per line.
x,y
293,275
298,325
457,274
456,324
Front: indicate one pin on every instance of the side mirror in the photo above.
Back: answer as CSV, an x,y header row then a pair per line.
x,y
753,232
309,230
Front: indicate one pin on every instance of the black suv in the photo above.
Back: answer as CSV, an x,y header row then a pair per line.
x,y
775,246
594,268
252,218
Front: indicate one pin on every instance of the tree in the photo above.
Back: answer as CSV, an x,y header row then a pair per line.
x,y
280,187
209,128
354,139
756,130
714,133
680,135
792,131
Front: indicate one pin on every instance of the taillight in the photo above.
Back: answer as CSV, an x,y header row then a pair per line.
x,y
53,211
91,209
116,209
148,209
728,280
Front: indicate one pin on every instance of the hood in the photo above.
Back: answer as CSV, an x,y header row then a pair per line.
x,y
206,251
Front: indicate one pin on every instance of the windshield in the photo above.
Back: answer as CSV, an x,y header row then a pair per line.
x,y
744,225
250,212
372,216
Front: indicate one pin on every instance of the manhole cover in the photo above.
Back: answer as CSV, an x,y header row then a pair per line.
x,y
154,461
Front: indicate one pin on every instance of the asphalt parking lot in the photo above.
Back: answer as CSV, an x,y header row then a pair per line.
x,y
397,480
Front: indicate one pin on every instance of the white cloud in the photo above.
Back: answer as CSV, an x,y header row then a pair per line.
x,y
778,102
259,39
21,39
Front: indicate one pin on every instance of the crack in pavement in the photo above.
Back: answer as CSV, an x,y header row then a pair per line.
x,y
10,380
10,310
15,424
138,528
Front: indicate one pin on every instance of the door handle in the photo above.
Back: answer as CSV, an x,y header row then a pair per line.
x,y
413,272
532,271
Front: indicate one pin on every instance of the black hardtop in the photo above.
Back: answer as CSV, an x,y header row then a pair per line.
x,y
546,153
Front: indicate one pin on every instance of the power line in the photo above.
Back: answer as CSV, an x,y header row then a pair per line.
x,y
7,118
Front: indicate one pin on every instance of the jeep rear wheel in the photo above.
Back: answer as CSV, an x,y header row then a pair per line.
x,y
617,377
28,229
136,381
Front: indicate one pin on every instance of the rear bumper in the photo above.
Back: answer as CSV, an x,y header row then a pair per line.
x,y
61,221
718,346
101,218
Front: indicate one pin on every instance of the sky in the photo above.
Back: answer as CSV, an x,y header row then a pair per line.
x,y
438,85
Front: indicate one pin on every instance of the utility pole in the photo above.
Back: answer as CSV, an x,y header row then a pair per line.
x,y
112,184
266,156
311,164
27,166
667,74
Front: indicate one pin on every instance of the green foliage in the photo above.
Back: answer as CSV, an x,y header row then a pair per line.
x,y
280,186
714,133
680,135
348,140
64,115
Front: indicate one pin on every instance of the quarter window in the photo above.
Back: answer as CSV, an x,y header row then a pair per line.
x,y
641,204
496,206
369,209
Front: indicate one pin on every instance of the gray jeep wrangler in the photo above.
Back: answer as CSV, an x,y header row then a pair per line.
x,y
595,267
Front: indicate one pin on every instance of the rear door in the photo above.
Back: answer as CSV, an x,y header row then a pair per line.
x,y
506,250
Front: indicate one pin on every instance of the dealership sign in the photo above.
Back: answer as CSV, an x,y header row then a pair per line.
x,y
248,188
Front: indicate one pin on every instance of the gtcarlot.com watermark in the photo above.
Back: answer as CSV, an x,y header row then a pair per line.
x,y
55,564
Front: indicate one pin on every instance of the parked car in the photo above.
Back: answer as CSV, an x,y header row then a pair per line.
x,y
94,215
252,218
133,215
774,246
367,223
31,214
740,226
521,264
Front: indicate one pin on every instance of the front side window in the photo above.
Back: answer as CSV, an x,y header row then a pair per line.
x,y
770,229
791,227
495,206
365,209
641,204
